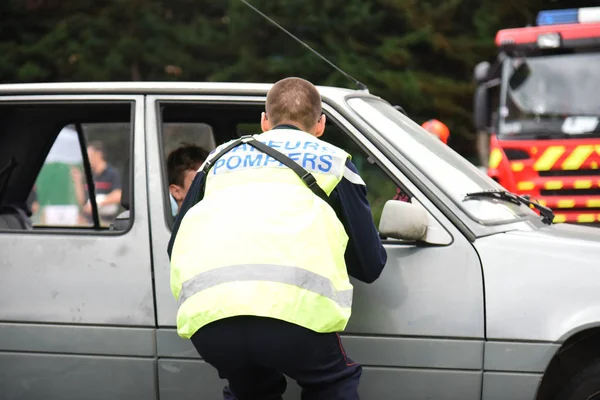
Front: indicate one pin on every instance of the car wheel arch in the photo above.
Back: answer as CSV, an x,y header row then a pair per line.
x,y
581,349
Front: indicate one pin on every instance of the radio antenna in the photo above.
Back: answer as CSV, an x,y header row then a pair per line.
x,y
361,86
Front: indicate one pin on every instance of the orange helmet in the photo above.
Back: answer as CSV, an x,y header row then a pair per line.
x,y
438,128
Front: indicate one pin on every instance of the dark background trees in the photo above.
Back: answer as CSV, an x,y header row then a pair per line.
x,y
416,53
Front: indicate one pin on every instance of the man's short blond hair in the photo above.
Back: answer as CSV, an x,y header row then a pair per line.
x,y
294,100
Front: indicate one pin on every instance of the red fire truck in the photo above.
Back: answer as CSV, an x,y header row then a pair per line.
x,y
540,102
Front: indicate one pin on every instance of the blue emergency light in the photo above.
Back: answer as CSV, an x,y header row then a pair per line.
x,y
568,16
557,17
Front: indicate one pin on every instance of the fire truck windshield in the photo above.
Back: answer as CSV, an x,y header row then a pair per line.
x,y
553,95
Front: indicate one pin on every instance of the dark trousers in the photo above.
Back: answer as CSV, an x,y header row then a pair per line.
x,y
254,353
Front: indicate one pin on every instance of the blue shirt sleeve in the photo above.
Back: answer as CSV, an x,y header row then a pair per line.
x,y
193,196
365,255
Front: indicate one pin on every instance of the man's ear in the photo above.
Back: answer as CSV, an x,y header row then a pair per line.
x,y
320,127
176,192
265,124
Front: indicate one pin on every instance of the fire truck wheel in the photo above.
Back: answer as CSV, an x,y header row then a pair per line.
x,y
585,385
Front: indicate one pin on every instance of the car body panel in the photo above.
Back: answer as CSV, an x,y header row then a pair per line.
x,y
518,356
510,385
535,290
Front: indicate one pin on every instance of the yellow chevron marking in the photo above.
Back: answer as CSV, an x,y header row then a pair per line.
x,y
565,204
517,166
554,185
586,218
593,203
525,185
578,157
582,184
542,202
594,165
548,158
558,218
495,158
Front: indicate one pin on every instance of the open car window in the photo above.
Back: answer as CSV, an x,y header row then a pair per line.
x,y
64,153
229,121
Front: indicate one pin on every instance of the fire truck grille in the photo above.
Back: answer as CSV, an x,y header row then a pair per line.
x,y
571,192
579,172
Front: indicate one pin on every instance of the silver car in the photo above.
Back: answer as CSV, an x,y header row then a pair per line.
x,y
481,298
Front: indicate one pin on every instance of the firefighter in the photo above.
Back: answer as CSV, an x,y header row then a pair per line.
x,y
437,128
261,251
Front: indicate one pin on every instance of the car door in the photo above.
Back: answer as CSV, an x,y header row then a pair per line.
x,y
76,298
418,331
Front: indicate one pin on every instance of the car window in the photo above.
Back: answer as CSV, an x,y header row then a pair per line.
x,y
61,197
448,170
380,188
248,129
244,120
59,154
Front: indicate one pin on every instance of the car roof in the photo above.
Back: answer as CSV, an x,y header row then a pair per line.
x,y
150,88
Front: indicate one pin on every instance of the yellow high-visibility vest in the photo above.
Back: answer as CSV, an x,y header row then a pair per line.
x,y
261,243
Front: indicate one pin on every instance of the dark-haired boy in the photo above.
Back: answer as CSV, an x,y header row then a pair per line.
x,y
182,165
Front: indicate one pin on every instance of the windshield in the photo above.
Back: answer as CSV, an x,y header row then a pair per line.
x,y
555,94
454,175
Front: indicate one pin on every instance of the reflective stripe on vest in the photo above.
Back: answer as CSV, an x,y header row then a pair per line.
x,y
271,273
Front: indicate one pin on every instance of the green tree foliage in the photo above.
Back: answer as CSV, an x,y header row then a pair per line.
x,y
417,53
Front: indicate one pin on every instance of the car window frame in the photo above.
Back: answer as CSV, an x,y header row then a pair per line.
x,y
137,122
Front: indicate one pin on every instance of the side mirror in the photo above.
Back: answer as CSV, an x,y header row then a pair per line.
x,y
481,108
404,221
481,71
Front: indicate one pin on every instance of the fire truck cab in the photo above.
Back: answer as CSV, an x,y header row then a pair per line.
x,y
540,102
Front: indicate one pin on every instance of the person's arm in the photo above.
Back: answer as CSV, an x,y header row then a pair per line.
x,y
113,197
365,255
78,183
193,196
